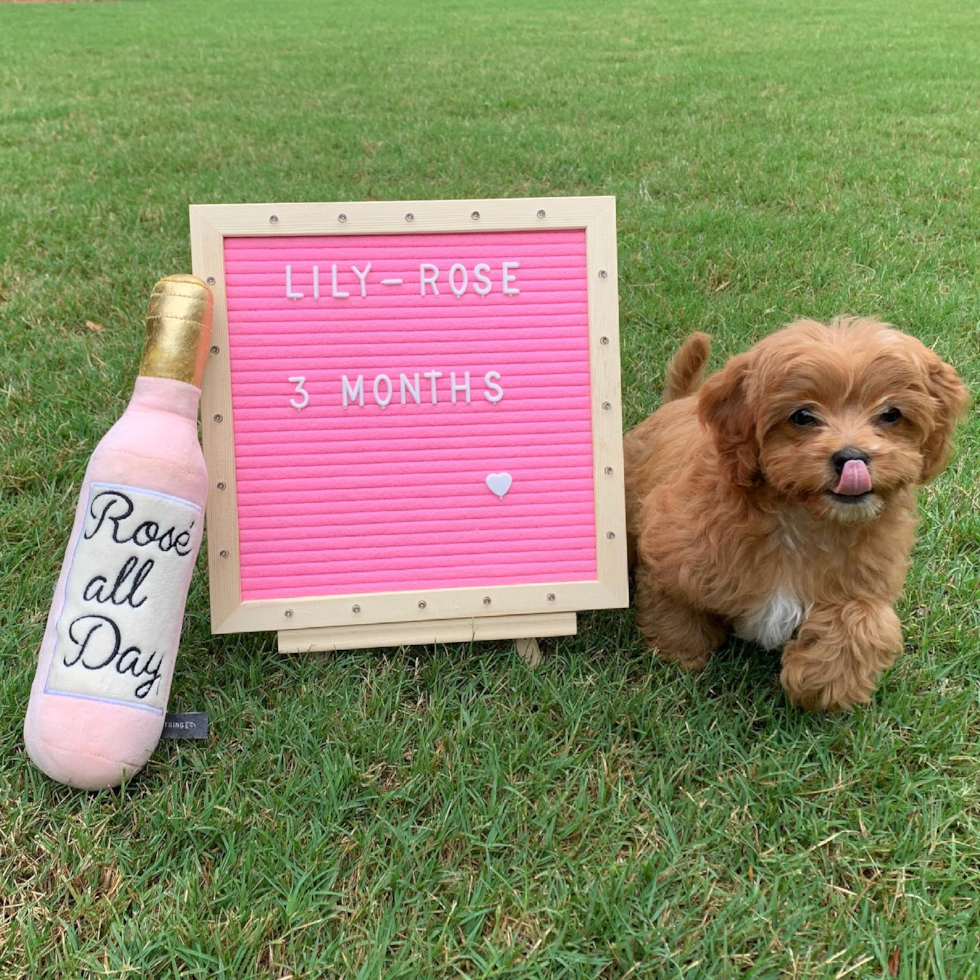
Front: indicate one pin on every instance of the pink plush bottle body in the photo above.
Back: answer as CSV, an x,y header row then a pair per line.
x,y
106,662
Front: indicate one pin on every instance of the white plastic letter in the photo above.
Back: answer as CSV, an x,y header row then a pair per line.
x,y
423,278
333,282
299,381
480,273
383,402
414,392
465,386
490,379
356,393
289,285
452,281
509,278
362,276
433,375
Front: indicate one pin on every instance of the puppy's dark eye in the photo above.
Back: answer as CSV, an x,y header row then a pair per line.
x,y
803,416
890,416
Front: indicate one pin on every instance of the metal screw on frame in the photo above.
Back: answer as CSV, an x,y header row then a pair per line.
x,y
288,614
217,418
475,215
603,274
221,486
214,348
604,341
341,217
409,216
610,534
551,597
606,406
210,280
222,553
273,219
486,600
355,609
609,471
421,603
541,213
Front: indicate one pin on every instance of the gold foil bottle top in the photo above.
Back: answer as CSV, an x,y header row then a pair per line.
x,y
178,330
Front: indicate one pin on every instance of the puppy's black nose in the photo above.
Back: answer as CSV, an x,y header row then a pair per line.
x,y
846,454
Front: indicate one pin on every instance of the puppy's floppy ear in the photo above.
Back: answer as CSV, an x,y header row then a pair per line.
x,y
724,409
951,400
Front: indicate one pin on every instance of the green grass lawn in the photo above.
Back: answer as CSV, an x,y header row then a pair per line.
x,y
445,812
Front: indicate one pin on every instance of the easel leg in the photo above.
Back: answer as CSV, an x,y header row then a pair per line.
x,y
529,651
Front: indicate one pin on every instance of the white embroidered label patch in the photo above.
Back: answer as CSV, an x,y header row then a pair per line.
x,y
118,632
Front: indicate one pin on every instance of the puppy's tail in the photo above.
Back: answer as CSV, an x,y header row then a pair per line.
x,y
686,371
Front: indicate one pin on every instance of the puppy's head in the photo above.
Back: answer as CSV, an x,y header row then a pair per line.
x,y
836,418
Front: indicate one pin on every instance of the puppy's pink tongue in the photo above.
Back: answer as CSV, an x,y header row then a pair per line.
x,y
854,479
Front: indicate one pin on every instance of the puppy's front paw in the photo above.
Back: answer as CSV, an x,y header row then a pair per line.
x,y
817,677
677,632
839,655
816,684
693,660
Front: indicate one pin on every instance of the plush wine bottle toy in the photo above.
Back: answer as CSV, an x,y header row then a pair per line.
x,y
103,677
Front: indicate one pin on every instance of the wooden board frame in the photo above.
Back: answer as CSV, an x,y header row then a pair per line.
x,y
210,224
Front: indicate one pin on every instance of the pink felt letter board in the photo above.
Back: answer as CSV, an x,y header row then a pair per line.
x,y
412,418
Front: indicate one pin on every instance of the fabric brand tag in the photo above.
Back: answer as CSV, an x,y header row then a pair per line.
x,y
185,724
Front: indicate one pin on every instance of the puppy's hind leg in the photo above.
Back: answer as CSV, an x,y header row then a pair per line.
x,y
677,631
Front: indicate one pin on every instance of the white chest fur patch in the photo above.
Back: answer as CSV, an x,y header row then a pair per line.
x,y
772,624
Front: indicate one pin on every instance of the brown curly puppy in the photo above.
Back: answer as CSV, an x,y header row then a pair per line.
x,y
778,499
